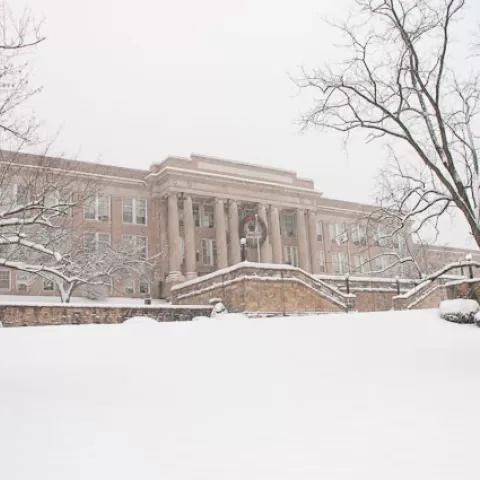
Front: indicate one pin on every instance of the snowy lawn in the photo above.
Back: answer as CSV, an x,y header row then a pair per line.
x,y
359,396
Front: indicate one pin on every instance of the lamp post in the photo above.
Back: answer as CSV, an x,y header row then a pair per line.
x,y
468,258
243,245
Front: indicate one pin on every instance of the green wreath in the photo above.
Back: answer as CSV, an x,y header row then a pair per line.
x,y
263,229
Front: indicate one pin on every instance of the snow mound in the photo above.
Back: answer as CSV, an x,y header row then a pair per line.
x,y
200,318
140,321
460,310
476,319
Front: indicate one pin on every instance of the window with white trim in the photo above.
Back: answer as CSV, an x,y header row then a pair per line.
x,y
60,200
340,263
21,194
291,255
289,224
144,287
319,229
203,214
362,263
24,280
359,234
98,208
5,280
97,242
134,211
137,245
48,285
338,233
209,251
383,262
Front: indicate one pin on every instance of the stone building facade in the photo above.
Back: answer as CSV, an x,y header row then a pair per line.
x,y
194,212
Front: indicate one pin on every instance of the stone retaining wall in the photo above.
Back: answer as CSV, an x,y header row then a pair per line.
x,y
264,288
21,315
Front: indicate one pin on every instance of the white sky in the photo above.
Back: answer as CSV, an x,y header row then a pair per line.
x,y
132,82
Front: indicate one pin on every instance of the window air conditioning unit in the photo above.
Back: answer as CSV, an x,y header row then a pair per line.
x,y
129,291
22,287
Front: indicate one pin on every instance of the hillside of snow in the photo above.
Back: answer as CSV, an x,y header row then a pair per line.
x,y
358,396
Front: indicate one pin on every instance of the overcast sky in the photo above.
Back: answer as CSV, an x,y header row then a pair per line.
x,y
131,82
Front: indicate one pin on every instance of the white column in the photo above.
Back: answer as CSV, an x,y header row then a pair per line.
x,y
189,229
266,249
221,236
276,236
314,247
303,253
233,229
174,253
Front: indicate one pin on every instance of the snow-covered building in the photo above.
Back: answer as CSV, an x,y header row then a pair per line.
x,y
203,213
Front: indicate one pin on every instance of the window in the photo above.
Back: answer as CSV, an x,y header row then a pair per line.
x,y
208,220
291,256
203,215
338,233
380,237
319,229
209,251
59,200
289,224
144,287
134,211
21,194
359,235
340,263
4,279
398,241
383,262
97,242
321,258
48,285
137,245
129,286
361,263
24,280
98,208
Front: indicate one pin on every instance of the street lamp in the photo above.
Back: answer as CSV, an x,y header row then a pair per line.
x,y
243,244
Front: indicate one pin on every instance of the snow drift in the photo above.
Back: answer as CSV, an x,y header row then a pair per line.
x,y
390,395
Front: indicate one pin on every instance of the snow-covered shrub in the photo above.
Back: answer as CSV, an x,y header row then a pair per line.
x,y
219,309
140,321
476,319
460,310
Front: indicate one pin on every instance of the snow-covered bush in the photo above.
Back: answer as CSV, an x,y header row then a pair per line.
x,y
219,309
460,310
140,321
476,319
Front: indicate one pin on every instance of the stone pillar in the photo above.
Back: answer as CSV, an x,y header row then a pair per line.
x,y
277,252
189,229
221,236
303,253
233,229
312,235
163,229
265,250
174,253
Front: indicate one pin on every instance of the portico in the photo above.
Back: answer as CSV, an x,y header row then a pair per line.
x,y
211,204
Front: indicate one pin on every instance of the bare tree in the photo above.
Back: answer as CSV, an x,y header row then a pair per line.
x,y
398,84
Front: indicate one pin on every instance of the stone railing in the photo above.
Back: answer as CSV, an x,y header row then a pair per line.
x,y
27,314
229,285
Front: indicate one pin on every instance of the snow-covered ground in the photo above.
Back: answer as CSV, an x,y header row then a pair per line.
x,y
359,396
